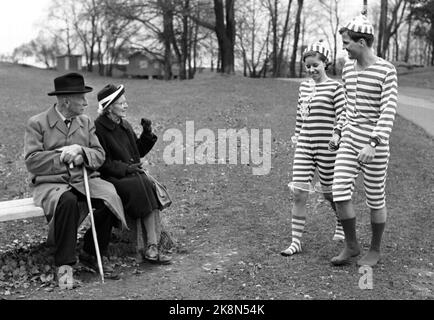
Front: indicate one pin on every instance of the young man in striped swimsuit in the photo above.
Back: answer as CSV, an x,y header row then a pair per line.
x,y
321,101
371,90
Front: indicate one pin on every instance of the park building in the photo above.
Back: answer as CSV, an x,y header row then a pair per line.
x,y
71,62
142,64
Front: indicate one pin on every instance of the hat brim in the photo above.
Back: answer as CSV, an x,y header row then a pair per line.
x,y
56,93
121,90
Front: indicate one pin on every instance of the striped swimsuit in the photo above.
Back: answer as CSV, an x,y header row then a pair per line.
x,y
370,112
319,107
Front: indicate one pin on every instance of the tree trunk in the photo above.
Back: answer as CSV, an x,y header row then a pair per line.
x,y
407,46
303,31
219,61
274,18
212,54
296,35
282,43
230,35
165,5
195,41
190,43
432,53
225,34
267,51
382,28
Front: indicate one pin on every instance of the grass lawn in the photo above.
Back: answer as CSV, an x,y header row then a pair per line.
x,y
231,224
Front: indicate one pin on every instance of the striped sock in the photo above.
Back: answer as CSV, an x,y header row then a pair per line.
x,y
297,233
339,231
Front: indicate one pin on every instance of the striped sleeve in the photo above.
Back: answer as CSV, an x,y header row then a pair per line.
x,y
389,98
298,120
340,103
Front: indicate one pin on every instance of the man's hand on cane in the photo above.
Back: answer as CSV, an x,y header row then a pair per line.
x,y
71,154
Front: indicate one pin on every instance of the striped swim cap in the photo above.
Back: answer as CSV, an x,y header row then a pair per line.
x,y
360,24
318,47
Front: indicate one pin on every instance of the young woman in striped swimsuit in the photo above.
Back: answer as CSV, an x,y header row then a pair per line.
x,y
320,103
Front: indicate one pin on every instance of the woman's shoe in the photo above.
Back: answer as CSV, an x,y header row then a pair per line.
x,y
153,256
151,252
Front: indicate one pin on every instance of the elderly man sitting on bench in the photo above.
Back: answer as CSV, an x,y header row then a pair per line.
x,y
58,143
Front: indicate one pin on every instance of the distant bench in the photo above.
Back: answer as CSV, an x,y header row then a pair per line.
x,y
19,209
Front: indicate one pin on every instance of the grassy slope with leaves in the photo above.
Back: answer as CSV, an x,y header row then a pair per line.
x,y
230,224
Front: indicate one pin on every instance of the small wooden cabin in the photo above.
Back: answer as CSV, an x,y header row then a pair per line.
x,y
144,65
68,63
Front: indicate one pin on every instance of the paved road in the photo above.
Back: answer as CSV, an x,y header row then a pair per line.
x,y
417,105
414,104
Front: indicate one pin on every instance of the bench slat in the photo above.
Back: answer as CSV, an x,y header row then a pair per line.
x,y
16,203
19,209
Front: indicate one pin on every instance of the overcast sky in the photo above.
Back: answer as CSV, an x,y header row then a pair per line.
x,y
19,20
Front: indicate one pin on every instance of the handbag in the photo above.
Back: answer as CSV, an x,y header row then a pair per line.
x,y
162,194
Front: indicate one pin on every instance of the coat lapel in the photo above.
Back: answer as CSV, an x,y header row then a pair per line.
x,y
75,125
54,120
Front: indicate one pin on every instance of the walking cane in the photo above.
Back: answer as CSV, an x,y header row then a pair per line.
x,y
95,240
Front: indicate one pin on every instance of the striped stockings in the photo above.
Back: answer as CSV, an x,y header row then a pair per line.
x,y
339,231
297,232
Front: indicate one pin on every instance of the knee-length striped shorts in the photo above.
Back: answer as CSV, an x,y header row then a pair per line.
x,y
347,168
310,157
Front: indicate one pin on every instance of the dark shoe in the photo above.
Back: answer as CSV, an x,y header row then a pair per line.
x,y
91,262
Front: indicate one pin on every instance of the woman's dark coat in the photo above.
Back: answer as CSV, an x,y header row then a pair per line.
x,y
122,148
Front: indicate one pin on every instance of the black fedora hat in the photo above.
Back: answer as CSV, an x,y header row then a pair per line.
x,y
68,84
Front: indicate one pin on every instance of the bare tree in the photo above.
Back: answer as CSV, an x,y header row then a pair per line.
x,y
156,17
283,39
382,27
43,49
279,32
292,70
252,37
224,28
423,13
331,7
59,24
390,21
409,21
113,40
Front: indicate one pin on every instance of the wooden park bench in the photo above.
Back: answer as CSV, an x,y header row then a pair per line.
x,y
19,209
25,209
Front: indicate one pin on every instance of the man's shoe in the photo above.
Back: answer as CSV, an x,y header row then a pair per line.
x,y
90,261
